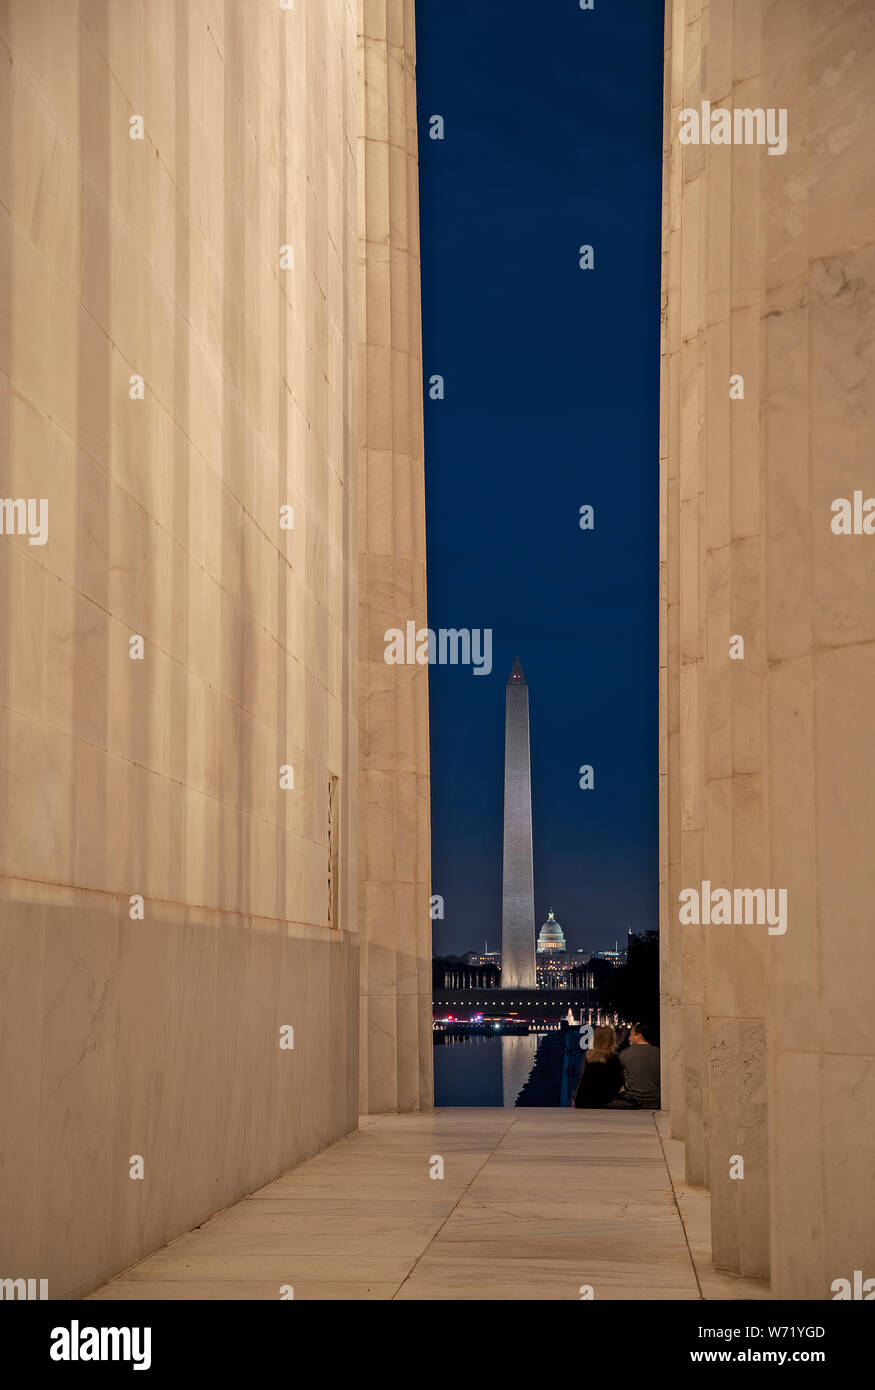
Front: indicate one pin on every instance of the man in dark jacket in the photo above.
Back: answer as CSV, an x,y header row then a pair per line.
x,y
640,1063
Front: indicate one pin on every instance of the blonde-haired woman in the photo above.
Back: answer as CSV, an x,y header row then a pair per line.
x,y
602,1075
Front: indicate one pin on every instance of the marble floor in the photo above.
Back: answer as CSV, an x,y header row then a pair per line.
x,y
532,1204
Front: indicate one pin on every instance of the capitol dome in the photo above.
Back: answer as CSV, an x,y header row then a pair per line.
x,y
551,936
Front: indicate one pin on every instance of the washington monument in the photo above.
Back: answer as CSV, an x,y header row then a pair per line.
x,y
517,883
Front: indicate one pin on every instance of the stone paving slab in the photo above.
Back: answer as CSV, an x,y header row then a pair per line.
x,y
533,1205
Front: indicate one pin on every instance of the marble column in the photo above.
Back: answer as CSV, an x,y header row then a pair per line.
x,y
177,386
767,761
394,837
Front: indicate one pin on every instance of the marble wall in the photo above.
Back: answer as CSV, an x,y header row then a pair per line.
x,y
767,763
217,260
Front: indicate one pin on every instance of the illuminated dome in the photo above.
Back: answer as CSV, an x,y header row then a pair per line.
x,y
551,937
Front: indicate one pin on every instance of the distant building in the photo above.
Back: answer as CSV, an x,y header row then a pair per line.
x,y
484,957
551,937
552,971
615,957
552,960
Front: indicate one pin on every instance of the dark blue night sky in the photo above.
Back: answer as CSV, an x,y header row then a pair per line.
x,y
553,140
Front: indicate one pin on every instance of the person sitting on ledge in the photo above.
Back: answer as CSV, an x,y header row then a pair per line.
x,y
601,1077
640,1067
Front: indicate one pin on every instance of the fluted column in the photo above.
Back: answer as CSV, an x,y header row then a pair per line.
x,y
738,831
671,972
818,353
691,440
394,873
712,544
767,761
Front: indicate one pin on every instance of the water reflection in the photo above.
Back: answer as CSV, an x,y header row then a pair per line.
x,y
517,1061
483,1070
